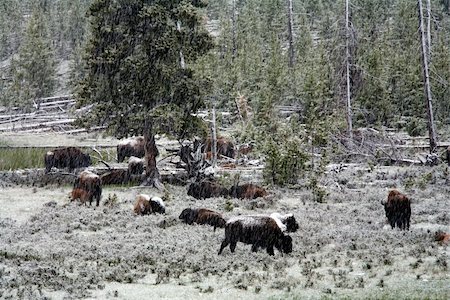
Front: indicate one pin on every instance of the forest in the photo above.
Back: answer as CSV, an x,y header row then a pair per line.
x,y
311,111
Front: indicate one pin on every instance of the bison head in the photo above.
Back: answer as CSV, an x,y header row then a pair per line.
x,y
291,224
187,215
284,244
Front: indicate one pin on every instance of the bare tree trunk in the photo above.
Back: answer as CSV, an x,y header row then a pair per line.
x,y
182,64
234,34
347,64
291,34
426,82
152,176
214,138
429,32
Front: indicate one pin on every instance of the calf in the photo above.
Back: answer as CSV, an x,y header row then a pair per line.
x,y
258,231
442,237
202,216
91,183
224,147
83,195
398,210
247,191
145,205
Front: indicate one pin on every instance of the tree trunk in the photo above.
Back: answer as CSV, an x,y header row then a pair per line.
x,y
429,32
214,138
152,176
234,30
291,34
182,63
426,82
347,64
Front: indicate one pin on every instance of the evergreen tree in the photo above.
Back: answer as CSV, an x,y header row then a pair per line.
x,y
133,66
33,73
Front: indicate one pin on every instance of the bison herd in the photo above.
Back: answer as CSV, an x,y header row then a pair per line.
x,y
260,231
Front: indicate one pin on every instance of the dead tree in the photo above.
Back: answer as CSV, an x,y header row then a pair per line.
x,y
214,138
347,66
152,176
426,82
291,34
233,30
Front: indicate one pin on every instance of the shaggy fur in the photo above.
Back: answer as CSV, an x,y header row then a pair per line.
x,y
442,237
135,165
130,147
247,191
206,189
258,231
91,183
224,147
69,157
145,205
81,194
398,210
115,176
202,216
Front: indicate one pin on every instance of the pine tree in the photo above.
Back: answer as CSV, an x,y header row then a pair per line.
x,y
33,73
133,66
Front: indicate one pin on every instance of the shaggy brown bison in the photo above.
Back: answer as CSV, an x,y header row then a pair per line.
x,y
258,231
224,147
202,216
69,157
206,189
130,147
135,165
81,194
145,205
247,191
397,209
91,183
115,176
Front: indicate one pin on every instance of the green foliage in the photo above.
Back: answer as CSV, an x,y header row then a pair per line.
x,y
229,206
416,127
133,61
285,162
21,158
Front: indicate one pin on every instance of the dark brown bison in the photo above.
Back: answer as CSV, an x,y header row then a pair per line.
x,y
245,149
224,147
69,157
247,191
145,205
398,210
206,189
258,231
442,237
81,194
135,165
202,216
91,183
115,176
130,147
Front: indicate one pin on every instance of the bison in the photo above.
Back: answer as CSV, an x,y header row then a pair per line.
x,y
130,147
224,147
206,189
397,209
115,176
145,205
202,216
261,231
247,191
135,165
69,157
91,183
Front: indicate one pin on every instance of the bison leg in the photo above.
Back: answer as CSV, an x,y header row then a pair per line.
x,y
270,250
233,246
255,247
223,245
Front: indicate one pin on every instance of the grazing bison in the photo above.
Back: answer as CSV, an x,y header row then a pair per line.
x,y
397,209
145,205
69,157
202,216
130,147
206,189
135,165
261,231
82,194
91,183
247,191
224,147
